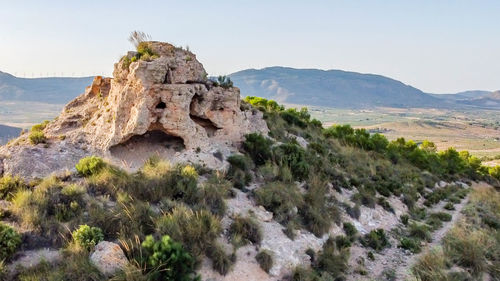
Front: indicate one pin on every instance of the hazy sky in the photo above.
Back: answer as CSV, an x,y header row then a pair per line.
x,y
438,46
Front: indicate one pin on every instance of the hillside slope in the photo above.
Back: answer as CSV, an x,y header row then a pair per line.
x,y
48,90
8,132
332,88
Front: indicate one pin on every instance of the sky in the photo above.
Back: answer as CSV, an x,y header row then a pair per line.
x,y
438,46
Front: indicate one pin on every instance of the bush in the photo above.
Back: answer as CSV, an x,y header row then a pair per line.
x,y
40,127
318,212
293,156
9,241
420,231
375,239
431,266
196,231
87,237
342,242
468,247
247,229
37,137
211,195
332,260
265,260
168,260
220,261
239,171
382,202
281,199
411,244
442,216
89,166
350,230
449,206
354,212
9,185
404,219
258,147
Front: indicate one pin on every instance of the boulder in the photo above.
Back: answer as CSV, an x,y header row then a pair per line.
x,y
109,258
163,105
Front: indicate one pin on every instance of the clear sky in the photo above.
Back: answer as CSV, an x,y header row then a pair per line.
x,y
438,46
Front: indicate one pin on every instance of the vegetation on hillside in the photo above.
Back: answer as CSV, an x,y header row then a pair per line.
x,y
168,218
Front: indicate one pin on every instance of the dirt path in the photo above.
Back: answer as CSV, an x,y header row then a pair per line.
x,y
439,234
399,261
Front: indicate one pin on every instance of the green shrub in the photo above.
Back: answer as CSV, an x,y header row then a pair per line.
x,y
87,237
246,228
411,244
40,127
90,165
212,193
221,262
239,171
37,137
258,147
375,239
404,219
293,156
350,230
442,216
495,172
318,212
449,206
168,260
196,231
332,260
365,197
281,199
9,241
382,202
265,260
9,185
420,231
342,242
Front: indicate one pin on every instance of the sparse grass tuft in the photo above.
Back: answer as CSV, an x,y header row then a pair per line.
x,y
265,260
246,229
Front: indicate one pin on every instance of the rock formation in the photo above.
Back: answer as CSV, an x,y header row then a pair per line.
x,y
161,105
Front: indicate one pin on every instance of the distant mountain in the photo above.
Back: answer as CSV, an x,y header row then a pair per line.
x,y
47,90
463,95
490,100
332,88
7,133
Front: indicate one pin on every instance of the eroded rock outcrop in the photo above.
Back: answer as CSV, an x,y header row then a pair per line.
x,y
161,106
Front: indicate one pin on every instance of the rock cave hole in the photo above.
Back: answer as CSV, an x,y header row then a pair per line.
x,y
208,125
161,105
141,147
168,77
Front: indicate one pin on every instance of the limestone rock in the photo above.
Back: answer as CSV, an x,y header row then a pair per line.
x,y
162,106
109,258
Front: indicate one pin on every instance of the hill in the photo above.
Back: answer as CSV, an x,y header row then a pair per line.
x,y
7,132
56,90
331,88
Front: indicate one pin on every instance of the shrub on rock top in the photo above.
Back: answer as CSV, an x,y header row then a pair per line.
x,y
91,165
